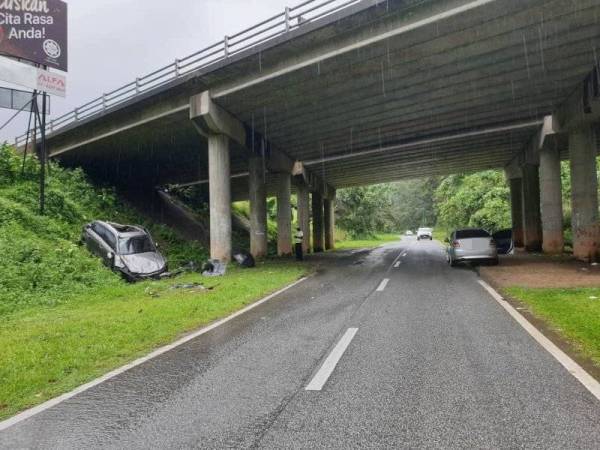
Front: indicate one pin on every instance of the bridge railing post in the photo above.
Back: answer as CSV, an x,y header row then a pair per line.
x,y
287,18
137,85
226,46
177,68
76,114
103,102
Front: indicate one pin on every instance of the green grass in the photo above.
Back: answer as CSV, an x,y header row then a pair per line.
x,y
48,350
574,313
64,317
376,241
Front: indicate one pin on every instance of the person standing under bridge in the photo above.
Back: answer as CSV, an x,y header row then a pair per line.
x,y
298,240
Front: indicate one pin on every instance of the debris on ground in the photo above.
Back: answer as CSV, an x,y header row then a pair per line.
x,y
151,292
244,259
191,287
214,268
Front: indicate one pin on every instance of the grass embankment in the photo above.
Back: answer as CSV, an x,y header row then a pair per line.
x,y
376,241
573,313
66,319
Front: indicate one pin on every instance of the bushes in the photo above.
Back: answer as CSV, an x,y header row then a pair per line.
x,y
42,263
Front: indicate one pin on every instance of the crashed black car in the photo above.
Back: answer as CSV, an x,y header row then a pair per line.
x,y
127,249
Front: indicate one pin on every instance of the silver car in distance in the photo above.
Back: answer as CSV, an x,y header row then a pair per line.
x,y
471,245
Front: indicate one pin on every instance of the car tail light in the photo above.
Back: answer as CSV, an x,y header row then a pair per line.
x,y
456,244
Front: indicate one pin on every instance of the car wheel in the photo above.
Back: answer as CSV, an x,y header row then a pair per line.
x,y
494,262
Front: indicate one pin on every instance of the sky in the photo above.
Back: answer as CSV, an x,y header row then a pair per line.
x,y
111,42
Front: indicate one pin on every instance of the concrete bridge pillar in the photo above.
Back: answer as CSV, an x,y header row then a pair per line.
x,y
220,197
584,193
551,201
258,207
515,183
318,222
532,223
284,214
304,214
329,222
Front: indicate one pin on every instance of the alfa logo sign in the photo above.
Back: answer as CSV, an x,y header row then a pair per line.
x,y
35,30
32,77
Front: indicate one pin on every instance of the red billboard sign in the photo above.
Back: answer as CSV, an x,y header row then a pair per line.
x,y
35,30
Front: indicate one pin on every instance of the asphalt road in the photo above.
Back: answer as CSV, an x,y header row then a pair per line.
x,y
435,362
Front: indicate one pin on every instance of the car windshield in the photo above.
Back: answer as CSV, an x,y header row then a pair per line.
x,y
470,234
425,230
136,244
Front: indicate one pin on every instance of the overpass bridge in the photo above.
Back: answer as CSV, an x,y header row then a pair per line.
x,y
338,93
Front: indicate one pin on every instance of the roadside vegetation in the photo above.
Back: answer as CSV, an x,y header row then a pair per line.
x,y
345,243
573,313
480,200
65,318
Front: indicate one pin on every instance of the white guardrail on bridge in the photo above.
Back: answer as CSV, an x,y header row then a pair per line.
x,y
278,25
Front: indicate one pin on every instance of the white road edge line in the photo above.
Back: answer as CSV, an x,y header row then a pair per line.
x,y
383,284
55,401
332,361
590,383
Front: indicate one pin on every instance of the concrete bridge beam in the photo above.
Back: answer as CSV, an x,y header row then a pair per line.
x,y
318,222
258,207
584,193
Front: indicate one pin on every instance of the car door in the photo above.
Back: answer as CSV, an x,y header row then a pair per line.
x,y
504,241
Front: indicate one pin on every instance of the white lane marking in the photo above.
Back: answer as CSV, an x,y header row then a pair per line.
x,y
397,264
404,254
55,401
331,362
590,383
383,284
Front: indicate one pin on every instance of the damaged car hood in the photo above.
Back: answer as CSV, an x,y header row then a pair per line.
x,y
144,263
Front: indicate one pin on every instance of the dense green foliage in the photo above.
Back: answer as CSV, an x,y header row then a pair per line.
x,y
42,263
477,200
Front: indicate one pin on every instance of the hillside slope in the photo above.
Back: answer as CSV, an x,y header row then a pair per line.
x,y
42,263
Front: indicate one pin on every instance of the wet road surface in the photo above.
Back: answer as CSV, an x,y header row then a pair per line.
x,y
433,362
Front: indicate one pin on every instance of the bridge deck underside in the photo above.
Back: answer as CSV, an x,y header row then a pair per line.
x,y
379,112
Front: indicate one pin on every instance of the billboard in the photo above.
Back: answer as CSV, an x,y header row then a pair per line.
x,y
35,30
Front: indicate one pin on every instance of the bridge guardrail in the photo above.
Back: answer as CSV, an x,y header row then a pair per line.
x,y
277,25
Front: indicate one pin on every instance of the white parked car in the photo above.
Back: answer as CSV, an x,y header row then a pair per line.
x,y
425,233
408,233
